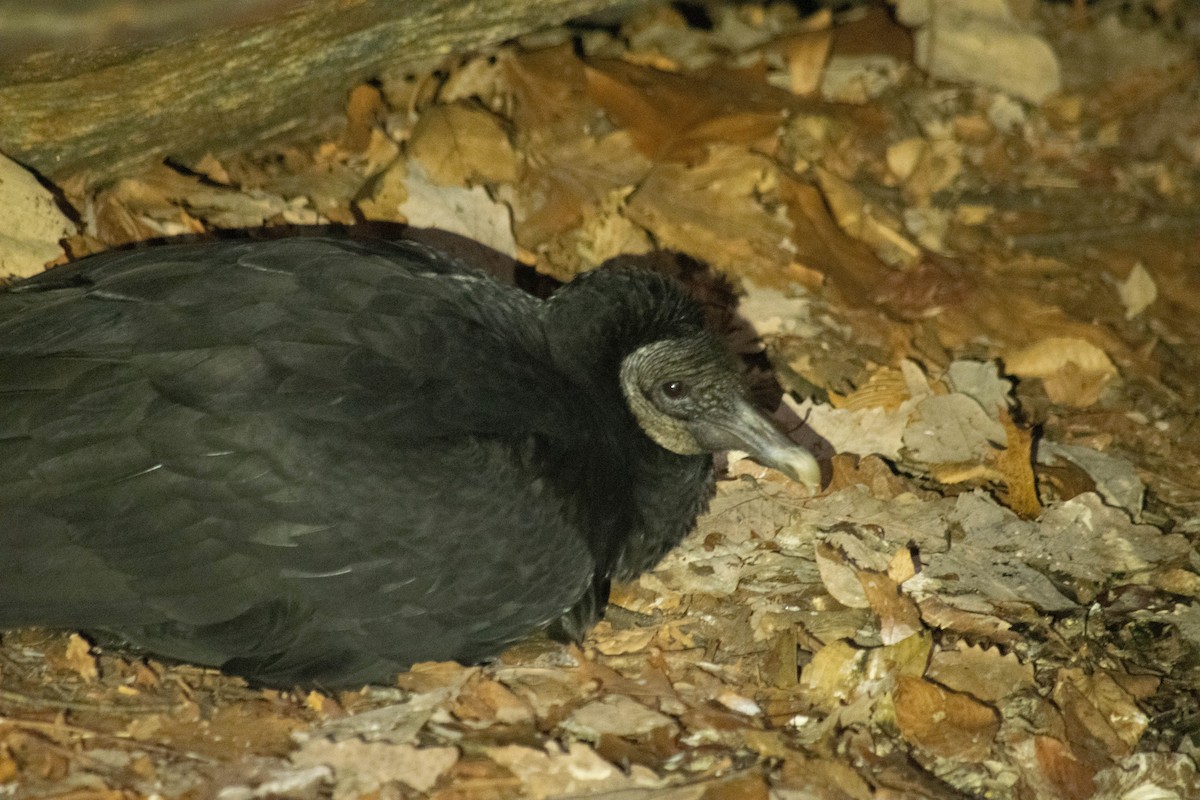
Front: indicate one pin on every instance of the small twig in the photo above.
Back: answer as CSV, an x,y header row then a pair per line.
x,y
80,705
58,727
1057,238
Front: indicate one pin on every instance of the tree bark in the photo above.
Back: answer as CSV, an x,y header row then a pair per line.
x,y
181,87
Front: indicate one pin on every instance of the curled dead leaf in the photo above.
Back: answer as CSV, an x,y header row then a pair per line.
x,y
80,659
887,388
896,611
1074,371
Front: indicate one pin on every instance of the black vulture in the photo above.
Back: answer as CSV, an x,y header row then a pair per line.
x,y
318,461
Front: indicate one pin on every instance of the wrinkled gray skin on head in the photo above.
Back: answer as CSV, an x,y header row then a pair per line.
x,y
687,397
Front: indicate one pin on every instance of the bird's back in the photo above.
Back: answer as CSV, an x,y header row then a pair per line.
x,y
290,459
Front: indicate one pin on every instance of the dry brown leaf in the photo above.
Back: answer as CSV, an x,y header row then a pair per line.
x,y
166,202
79,658
564,178
826,779
1074,371
361,767
1073,779
9,771
319,702
1138,89
365,108
567,173
675,117
605,232
211,167
226,731
839,570
943,722
780,667
547,691
487,701
834,674
822,246
932,166
31,223
870,471
1177,581
807,52
613,642
886,388
952,429
1103,708
711,212
468,212
1138,291
876,227
459,144
902,566
576,770
896,611
617,715
429,676
744,786
909,656
903,156
1015,464
387,193
984,673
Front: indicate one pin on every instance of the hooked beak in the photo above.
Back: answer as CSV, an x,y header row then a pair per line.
x,y
747,428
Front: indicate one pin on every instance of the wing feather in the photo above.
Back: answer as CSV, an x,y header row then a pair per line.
x,y
285,458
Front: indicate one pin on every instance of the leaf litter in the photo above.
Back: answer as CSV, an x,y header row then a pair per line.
x,y
981,312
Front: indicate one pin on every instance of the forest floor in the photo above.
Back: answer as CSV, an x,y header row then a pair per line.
x,y
983,310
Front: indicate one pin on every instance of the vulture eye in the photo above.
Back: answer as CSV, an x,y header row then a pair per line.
x,y
676,389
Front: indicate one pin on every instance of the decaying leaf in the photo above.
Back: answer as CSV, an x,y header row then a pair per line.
x,y
364,109
458,145
676,117
985,673
617,715
1138,291
363,767
1074,371
471,213
1071,777
873,226
577,769
80,659
487,702
711,212
834,674
1102,707
943,722
1014,463
31,223
886,388
897,613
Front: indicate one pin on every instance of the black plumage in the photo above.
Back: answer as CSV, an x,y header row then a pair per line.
x,y
318,460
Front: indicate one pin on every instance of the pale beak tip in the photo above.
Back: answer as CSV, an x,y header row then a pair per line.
x,y
800,466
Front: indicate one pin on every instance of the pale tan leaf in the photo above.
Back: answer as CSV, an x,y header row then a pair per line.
x,y
80,659
1138,291
1073,370
984,673
459,144
897,613
31,224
